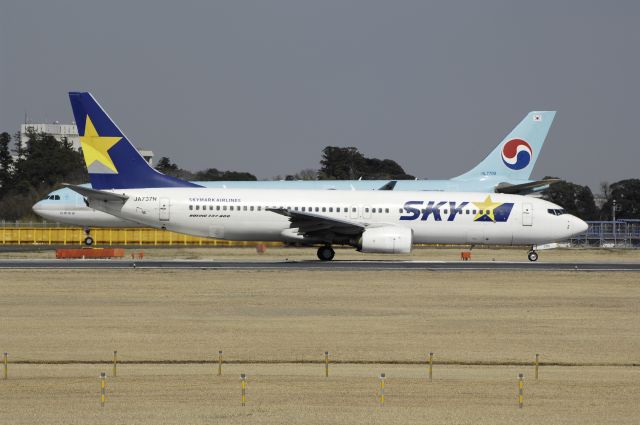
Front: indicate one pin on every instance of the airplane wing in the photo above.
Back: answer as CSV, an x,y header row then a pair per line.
x,y
524,188
310,223
96,195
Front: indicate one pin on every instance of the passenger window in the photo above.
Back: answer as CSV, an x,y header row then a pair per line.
x,y
379,210
386,210
324,209
330,209
251,208
400,210
446,211
197,207
224,207
217,207
353,210
259,208
473,211
338,209
295,208
317,209
303,209
191,207
366,210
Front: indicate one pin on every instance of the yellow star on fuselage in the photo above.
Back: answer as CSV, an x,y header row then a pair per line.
x,y
487,208
95,147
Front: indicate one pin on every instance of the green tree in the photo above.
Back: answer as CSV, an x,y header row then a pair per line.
x,y
340,163
43,163
165,166
348,164
6,162
213,174
47,162
626,193
575,199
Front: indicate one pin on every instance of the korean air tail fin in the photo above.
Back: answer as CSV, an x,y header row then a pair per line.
x,y
112,161
515,156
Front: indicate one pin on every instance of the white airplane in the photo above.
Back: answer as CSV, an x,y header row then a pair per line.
x,y
124,185
507,169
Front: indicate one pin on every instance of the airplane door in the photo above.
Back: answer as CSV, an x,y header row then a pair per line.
x,y
164,209
527,214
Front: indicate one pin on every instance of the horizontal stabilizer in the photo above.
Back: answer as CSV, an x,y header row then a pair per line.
x,y
97,195
519,189
389,186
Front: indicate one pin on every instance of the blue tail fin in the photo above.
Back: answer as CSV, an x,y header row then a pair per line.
x,y
515,156
112,161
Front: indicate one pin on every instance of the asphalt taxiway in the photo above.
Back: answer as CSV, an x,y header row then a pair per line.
x,y
319,265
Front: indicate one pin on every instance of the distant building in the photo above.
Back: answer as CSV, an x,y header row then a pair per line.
x,y
60,131
57,130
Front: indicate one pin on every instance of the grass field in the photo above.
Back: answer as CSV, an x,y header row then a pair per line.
x,y
465,318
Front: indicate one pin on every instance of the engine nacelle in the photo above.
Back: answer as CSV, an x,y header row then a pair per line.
x,y
387,240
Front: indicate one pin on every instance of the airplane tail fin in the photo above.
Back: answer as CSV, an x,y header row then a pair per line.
x,y
515,156
112,161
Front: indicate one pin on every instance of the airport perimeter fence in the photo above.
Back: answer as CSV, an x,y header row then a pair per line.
x,y
609,234
45,235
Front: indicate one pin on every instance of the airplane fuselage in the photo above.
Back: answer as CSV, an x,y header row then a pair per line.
x,y
432,217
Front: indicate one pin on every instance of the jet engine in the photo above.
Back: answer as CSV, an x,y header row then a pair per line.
x,y
386,240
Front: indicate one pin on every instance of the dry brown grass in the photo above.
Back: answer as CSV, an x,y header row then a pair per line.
x,y
284,394
572,317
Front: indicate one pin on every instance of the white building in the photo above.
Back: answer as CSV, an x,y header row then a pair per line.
x,y
59,131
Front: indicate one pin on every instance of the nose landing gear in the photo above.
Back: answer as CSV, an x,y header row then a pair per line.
x,y
326,253
532,255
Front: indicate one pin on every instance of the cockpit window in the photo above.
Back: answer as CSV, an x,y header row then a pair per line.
x,y
554,211
53,197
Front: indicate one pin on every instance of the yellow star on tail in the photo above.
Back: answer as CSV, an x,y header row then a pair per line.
x,y
95,147
487,208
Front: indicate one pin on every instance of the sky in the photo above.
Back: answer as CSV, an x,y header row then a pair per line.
x,y
263,86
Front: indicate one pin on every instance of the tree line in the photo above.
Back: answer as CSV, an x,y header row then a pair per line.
x,y
40,165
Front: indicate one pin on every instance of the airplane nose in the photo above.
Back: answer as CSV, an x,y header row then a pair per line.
x,y
578,226
37,207
582,226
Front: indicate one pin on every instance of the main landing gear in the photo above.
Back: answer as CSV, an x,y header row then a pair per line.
x,y
326,253
532,255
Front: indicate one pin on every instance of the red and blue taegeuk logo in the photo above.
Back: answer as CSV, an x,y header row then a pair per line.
x,y
516,154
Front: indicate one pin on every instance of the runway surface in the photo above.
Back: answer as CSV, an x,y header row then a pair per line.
x,y
316,265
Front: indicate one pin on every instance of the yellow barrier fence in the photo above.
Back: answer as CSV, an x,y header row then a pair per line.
x,y
121,236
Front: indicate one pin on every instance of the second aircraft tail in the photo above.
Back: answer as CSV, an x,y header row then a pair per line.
x,y
515,156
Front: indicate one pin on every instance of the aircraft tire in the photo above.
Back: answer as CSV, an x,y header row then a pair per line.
x,y
88,241
533,256
326,253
